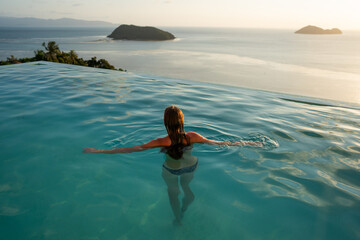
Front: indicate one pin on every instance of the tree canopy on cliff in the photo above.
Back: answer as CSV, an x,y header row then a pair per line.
x,y
52,53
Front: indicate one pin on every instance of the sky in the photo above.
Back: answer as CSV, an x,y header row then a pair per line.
x,y
290,14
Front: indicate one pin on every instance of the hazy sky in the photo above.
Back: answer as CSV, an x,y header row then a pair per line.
x,y
292,14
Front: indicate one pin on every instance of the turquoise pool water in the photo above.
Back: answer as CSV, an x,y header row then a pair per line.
x,y
307,188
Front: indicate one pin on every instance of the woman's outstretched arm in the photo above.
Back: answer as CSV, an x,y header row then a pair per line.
x,y
159,142
197,138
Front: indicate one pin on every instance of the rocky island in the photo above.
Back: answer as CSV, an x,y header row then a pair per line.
x,y
132,32
317,30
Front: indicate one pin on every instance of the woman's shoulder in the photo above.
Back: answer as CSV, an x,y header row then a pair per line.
x,y
195,137
164,141
193,134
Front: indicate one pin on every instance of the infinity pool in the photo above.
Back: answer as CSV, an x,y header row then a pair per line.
x,y
306,188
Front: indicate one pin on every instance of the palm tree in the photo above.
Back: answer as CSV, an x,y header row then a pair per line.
x,y
92,62
40,55
51,47
12,59
73,57
53,51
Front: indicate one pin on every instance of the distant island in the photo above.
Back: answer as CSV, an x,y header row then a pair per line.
x,y
317,30
62,22
132,32
52,53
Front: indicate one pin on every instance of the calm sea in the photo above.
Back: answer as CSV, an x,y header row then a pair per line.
x,y
320,66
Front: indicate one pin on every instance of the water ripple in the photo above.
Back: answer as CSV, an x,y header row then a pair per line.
x,y
311,152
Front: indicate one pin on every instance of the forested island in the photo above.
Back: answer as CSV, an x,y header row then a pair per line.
x,y
132,32
317,30
53,53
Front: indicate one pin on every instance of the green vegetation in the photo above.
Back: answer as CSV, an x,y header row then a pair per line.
x,y
52,53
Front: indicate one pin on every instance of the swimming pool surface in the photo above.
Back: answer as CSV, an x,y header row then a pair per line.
x,y
306,188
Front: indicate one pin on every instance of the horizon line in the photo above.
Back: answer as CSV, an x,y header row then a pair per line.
x,y
195,26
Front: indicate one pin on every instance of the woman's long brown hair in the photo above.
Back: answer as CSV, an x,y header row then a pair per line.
x,y
174,123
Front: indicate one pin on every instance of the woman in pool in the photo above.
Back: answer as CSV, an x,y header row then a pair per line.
x,y
179,163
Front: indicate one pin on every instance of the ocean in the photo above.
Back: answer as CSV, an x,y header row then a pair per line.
x,y
317,66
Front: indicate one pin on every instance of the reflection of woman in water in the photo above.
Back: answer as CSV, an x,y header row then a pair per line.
x,y
179,163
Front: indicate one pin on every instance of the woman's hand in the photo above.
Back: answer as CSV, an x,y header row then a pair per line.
x,y
91,150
